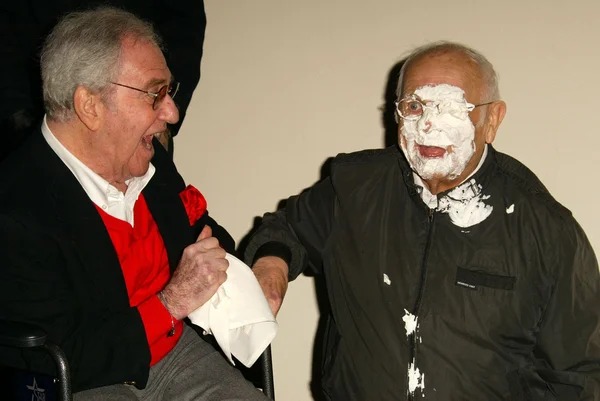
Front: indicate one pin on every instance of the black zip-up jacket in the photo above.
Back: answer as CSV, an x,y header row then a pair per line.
x,y
507,309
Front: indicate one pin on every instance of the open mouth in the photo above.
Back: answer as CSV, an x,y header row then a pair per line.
x,y
147,140
431,152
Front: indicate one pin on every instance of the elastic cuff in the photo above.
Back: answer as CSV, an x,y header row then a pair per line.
x,y
274,248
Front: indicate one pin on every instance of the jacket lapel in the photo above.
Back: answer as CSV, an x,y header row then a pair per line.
x,y
169,214
81,223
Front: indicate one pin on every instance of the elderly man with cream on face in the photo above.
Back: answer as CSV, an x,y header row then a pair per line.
x,y
451,272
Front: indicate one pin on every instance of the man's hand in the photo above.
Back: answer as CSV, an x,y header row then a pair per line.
x,y
272,275
200,273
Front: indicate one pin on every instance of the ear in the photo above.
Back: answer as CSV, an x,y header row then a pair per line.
x,y
87,106
494,117
401,138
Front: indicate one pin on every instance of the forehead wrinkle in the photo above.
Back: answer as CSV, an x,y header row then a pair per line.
x,y
155,82
445,67
141,58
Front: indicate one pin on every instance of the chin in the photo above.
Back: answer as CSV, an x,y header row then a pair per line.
x,y
140,168
443,169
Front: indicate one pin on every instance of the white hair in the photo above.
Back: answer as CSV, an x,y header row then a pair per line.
x,y
84,49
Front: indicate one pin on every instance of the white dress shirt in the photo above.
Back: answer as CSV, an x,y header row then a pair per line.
x,y
100,191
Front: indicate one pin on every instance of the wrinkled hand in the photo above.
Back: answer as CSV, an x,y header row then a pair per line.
x,y
272,275
200,273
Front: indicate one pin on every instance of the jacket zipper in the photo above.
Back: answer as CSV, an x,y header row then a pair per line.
x,y
415,311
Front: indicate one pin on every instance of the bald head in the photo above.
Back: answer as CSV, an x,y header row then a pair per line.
x,y
453,55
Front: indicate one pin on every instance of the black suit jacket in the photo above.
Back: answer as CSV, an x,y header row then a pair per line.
x,y
59,269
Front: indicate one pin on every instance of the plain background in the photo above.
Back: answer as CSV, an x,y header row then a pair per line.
x,y
287,84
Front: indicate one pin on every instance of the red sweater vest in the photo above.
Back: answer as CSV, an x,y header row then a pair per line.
x,y
145,267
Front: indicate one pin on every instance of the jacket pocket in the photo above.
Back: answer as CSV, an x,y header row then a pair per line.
x,y
534,388
474,279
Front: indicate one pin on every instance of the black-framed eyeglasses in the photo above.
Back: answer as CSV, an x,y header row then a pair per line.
x,y
412,107
170,89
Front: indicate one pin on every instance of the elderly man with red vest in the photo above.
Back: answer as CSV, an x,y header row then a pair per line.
x,y
103,244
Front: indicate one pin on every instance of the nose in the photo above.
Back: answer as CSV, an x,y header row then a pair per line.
x,y
430,116
168,110
424,124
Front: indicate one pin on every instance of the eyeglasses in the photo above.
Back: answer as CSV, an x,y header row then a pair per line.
x,y
170,89
411,107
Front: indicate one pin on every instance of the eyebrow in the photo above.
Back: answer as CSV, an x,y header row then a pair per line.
x,y
157,81
412,95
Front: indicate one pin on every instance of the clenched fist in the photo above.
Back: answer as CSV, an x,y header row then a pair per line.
x,y
200,273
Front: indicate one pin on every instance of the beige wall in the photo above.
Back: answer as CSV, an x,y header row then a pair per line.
x,y
287,84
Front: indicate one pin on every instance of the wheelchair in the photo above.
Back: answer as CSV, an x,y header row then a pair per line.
x,y
22,335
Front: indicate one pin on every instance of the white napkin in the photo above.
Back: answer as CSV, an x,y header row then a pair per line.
x,y
238,315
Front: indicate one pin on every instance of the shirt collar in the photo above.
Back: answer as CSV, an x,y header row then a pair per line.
x,y
430,199
100,191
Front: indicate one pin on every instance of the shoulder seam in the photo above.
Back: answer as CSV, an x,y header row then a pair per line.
x,y
539,192
365,156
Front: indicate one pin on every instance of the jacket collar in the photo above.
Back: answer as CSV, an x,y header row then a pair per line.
x,y
482,176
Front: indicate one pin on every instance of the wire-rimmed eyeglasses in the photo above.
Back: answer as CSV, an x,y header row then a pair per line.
x,y
170,89
412,107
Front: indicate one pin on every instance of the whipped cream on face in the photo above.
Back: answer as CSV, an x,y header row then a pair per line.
x,y
446,126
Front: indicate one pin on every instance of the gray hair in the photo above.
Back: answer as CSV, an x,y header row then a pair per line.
x,y
84,49
486,68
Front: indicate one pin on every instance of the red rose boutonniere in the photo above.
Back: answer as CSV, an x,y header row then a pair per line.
x,y
194,203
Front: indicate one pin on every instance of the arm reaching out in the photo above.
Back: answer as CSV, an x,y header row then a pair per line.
x,y
272,275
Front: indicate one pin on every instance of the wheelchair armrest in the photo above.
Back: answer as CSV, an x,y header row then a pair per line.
x,y
25,335
21,335
267,373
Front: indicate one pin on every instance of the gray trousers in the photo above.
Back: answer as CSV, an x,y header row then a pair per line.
x,y
193,370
